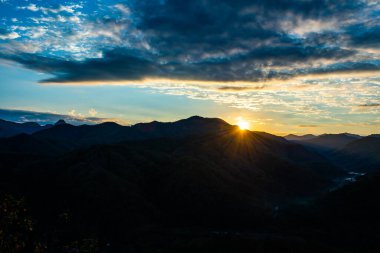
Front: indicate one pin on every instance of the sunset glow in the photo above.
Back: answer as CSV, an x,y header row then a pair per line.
x,y
189,126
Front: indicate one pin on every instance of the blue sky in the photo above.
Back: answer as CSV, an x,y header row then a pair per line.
x,y
286,66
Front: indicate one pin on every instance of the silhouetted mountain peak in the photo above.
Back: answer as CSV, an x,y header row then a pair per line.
x,y
194,125
109,124
60,122
195,117
202,120
353,135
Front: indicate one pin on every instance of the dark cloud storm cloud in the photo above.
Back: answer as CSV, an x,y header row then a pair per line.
x,y
224,40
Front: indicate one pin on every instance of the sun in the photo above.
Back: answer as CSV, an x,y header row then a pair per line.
x,y
243,125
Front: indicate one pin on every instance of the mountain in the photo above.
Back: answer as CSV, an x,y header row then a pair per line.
x,y
65,137
8,128
347,151
345,218
192,126
193,166
293,137
350,214
227,177
329,142
107,133
191,185
28,144
361,155
60,122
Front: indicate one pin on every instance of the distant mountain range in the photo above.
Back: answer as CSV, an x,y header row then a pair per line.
x,y
66,137
360,155
293,137
348,151
9,129
325,142
160,129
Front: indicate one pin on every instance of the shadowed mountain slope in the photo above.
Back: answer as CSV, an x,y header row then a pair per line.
x,y
362,155
230,177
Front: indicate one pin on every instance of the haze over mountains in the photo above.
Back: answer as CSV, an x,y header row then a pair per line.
x,y
325,142
195,179
348,151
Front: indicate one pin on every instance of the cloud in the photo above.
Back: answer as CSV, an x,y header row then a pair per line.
x,y
313,61
4,35
240,88
31,7
72,113
119,64
370,105
202,40
365,36
308,125
92,112
37,32
44,118
123,9
322,99
45,10
9,36
301,27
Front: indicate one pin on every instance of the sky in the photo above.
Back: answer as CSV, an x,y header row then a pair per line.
x,y
285,66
